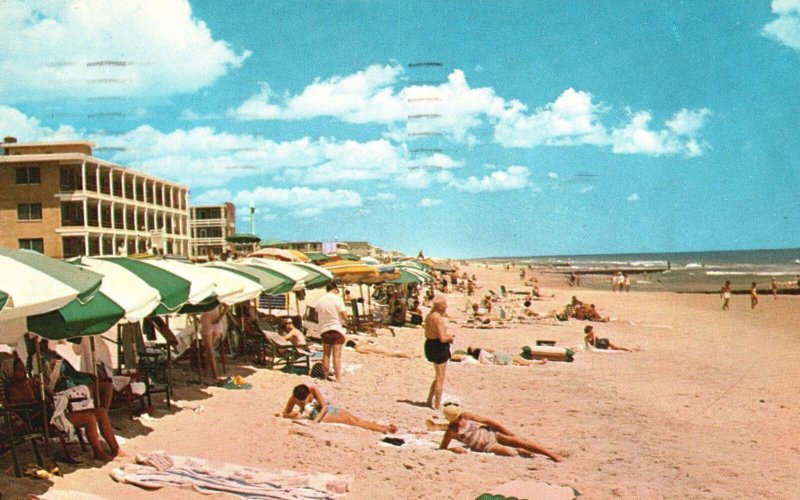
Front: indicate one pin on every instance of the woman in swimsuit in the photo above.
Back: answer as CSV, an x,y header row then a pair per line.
x,y
320,411
485,435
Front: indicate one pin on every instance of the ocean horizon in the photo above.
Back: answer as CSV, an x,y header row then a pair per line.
x,y
703,271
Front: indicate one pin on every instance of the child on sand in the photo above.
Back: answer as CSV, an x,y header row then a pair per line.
x,y
483,434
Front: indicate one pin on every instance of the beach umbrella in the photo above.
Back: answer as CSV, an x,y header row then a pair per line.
x,y
412,264
299,256
173,289
288,283
274,254
202,287
406,278
351,272
371,261
269,281
349,256
231,287
122,297
243,238
31,283
317,257
318,276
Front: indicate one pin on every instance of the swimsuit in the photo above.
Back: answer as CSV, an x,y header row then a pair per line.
x,y
329,410
476,437
437,352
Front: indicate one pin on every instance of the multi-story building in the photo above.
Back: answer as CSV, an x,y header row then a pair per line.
x,y
210,226
307,246
364,249
60,200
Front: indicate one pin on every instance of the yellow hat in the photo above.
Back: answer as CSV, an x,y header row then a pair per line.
x,y
452,412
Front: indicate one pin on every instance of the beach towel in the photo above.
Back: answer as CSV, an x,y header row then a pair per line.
x,y
157,470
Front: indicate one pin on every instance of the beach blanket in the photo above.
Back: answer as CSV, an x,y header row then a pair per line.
x,y
158,469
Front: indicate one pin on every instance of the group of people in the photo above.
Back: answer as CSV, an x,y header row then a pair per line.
x,y
620,282
581,311
727,289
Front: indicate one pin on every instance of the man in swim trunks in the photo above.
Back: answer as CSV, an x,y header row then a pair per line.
x,y
482,434
321,411
332,317
437,348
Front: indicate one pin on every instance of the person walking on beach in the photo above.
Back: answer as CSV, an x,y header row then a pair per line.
x,y
774,288
437,348
753,296
212,329
486,435
332,316
725,293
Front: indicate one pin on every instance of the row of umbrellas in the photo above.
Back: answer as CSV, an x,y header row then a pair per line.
x,y
88,295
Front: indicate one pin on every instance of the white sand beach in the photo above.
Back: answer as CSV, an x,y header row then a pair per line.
x,y
704,408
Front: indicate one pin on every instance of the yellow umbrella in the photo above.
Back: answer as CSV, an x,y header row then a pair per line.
x,y
350,272
301,257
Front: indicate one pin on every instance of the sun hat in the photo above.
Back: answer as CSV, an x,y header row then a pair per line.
x,y
452,412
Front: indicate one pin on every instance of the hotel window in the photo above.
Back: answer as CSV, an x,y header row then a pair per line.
x,y
29,211
36,244
29,175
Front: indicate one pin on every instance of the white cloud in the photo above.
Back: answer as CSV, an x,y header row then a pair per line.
x,y
786,28
677,138
552,175
27,129
453,109
364,97
85,48
514,177
572,119
428,202
633,197
212,196
586,189
303,201
383,197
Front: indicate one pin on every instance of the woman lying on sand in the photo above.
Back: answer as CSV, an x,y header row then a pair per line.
x,y
591,339
367,347
486,356
325,412
485,435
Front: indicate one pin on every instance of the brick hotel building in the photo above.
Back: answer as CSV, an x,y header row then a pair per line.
x,y
58,199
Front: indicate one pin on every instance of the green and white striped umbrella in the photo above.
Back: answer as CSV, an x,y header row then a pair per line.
x,y
291,276
269,281
123,297
31,283
317,276
230,287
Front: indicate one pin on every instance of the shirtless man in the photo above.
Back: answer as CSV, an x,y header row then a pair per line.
x,y
725,293
753,296
773,286
437,348
212,328
292,334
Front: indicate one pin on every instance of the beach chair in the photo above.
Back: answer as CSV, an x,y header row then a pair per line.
x,y
17,425
282,353
147,363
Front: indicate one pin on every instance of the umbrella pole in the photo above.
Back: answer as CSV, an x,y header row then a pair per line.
x,y
197,348
96,374
45,420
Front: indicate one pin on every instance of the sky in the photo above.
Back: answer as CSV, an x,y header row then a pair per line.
x,y
460,128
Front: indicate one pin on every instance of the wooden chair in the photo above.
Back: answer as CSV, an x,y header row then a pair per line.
x,y
150,364
282,353
17,424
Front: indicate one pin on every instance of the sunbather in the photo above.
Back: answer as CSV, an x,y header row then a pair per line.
x,y
486,435
486,356
321,411
367,347
591,339
292,334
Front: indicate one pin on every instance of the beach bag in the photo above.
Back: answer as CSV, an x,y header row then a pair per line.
x,y
316,370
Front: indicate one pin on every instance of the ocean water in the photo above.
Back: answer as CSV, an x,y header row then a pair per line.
x,y
681,272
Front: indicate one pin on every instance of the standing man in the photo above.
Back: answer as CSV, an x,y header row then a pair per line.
x,y
753,296
437,348
773,286
332,316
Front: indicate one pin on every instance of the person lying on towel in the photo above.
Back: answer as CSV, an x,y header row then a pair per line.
x,y
310,396
482,434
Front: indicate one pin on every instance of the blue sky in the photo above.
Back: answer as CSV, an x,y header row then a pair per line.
x,y
544,128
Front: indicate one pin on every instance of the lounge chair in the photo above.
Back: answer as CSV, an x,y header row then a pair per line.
x,y
17,425
150,364
282,353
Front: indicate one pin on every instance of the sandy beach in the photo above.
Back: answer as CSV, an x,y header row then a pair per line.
x,y
704,408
